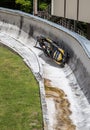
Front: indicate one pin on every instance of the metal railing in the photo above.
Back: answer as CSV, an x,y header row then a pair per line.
x,y
61,21
70,26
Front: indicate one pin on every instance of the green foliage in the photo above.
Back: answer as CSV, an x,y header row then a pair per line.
x,y
25,5
43,6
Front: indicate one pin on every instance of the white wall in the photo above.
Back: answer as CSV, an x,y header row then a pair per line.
x,y
72,10
84,10
58,7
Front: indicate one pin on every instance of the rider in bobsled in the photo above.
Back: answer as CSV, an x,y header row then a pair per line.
x,y
51,50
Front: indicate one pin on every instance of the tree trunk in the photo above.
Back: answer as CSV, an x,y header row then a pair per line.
x,y
35,12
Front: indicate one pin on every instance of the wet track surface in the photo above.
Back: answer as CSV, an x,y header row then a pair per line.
x,y
64,105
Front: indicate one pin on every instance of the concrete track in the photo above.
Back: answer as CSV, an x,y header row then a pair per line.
x,y
19,30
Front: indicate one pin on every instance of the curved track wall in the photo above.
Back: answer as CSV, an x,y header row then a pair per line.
x,y
23,27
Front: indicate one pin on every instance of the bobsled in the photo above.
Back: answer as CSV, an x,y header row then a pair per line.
x,y
52,50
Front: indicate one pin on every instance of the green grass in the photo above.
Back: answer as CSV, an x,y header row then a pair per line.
x,y
20,107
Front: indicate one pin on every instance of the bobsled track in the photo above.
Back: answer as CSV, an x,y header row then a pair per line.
x,y
65,92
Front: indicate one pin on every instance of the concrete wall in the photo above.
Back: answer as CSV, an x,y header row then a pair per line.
x,y
23,26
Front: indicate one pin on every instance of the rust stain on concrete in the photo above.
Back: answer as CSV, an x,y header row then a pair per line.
x,y
62,107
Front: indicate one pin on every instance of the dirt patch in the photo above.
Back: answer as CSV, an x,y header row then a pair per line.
x,y
62,107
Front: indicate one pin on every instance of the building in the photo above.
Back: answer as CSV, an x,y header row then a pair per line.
x,y
78,10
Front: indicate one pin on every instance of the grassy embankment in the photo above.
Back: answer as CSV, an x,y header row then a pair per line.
x,y
20,107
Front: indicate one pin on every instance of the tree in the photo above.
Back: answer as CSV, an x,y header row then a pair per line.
x,y
7,3
24,5
29,5
35,3
43,6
